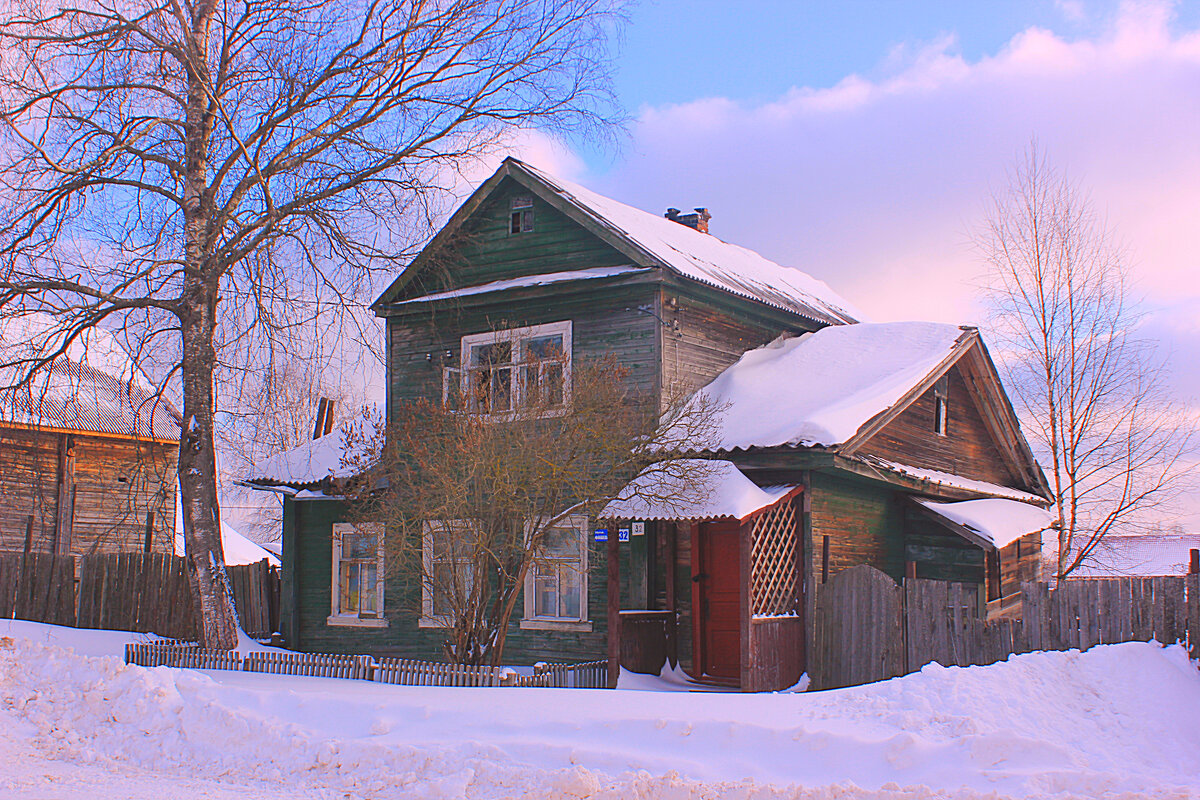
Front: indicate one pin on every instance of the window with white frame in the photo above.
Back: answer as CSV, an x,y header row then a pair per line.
x,y
520,370
447,551
357,590
520,218
556,584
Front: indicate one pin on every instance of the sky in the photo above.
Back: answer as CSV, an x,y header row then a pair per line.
x,y
861,141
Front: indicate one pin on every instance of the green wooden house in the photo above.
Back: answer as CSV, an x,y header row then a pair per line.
x,y
533,263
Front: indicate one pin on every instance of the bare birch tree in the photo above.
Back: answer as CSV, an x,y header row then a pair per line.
x,y
1115,445
208,178
473,502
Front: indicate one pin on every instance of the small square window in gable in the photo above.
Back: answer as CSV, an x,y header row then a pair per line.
x,y
520,218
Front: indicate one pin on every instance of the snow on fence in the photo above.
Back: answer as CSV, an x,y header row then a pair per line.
x,y
153,654
319,665
410,672
140,592
397,671
867,628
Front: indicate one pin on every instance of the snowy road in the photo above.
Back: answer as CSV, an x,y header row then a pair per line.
x,y
1116,722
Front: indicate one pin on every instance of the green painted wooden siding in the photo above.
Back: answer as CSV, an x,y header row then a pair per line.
x,y
310,562
603,324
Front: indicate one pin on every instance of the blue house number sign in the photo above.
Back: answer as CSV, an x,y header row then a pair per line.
x,y
601,534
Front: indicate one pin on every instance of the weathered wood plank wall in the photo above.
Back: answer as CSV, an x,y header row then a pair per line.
x,y
967,449
101,506
139,592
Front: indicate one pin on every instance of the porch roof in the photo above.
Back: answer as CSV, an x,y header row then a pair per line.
x,y
991,522
727,494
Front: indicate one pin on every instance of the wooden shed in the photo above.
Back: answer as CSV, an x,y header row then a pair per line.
x,y
87,447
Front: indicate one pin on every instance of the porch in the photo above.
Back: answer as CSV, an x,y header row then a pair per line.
x,y
713,586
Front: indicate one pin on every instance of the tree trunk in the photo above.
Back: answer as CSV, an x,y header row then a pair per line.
x,y
198,476
197,312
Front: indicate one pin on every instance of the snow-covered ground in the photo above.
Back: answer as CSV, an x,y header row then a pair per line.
x,y
1119,721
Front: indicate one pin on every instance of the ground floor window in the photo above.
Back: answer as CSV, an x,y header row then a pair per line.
x,y
357,590
448,570
556,585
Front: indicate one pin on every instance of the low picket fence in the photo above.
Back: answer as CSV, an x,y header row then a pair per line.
x,y
396,671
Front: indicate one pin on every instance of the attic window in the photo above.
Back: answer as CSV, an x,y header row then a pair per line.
x,y
521,216
940,408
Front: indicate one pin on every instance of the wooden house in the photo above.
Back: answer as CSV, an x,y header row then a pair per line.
x,y
87,447
531,258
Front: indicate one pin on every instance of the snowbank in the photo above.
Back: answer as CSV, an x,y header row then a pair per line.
x,y
1118,721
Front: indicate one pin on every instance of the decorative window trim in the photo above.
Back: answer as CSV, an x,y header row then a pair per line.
x,y
353,619
515,336
531,621
427,618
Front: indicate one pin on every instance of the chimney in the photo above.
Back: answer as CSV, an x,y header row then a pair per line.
x,y
698,220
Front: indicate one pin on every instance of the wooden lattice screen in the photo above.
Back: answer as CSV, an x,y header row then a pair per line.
x,y
773,561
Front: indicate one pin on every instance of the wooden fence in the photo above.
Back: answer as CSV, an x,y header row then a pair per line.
x,y
398,671
140,592
867,628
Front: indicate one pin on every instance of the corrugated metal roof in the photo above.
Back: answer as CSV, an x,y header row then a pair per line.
x,y
93,387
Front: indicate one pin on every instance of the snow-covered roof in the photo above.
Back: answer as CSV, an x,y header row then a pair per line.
x,y
820,388
238,549
526,281
726,494
1135,555
952,481
998,521
705,258
93,386
312,462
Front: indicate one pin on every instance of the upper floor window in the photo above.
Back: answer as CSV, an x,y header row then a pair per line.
x,y
521,370
520,219
357,592
940,405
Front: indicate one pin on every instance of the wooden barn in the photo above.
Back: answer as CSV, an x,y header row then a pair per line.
x,y
87,451
846,443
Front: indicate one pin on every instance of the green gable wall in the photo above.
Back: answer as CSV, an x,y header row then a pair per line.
x,y
483,250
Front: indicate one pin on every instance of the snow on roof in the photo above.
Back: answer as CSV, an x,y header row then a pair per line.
x,y
526,281
820,388
727,493
317,459
1134,555
93,386
311,462
238,549
952,481
1001,522
705,258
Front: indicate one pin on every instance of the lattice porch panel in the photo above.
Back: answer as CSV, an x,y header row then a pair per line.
x,y
773,562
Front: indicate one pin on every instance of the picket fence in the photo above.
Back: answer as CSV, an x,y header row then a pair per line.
x,y
867,628
397,671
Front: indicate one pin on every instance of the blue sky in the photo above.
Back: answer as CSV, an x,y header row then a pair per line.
x,y
677,51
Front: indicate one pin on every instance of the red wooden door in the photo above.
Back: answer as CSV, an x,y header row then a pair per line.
x,y
719,583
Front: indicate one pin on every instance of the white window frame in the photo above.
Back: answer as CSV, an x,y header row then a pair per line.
x,y
354,619
531,621
514,336
428,619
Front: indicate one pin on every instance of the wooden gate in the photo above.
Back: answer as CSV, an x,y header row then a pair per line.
x,y
858,631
